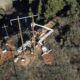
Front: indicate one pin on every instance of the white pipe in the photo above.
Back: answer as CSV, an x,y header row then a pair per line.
x,y
46,34
16,59
26,44
23,18
46,52
43,26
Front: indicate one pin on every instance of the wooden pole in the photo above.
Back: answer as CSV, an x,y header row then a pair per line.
x,y
33,39
20,34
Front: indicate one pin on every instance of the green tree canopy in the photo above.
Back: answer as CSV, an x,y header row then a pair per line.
x,y
74,12
53,7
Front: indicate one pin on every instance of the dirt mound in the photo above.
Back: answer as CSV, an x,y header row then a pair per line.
x,y
48,58
5,57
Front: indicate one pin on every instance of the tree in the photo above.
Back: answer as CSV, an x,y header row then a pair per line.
x,y
40,7
30,12
30,9
74,12
53,6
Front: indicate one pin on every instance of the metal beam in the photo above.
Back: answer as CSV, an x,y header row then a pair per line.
x,y
5,27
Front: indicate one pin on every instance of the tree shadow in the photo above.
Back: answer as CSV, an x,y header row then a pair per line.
x,y
62,32
44,5
22,7
34,6
25,37
64,11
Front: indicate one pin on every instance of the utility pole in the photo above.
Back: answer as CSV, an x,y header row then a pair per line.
x,y
20,34
33,38
5,27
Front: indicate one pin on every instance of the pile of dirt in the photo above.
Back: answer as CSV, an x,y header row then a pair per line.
x,y
48,58
5,57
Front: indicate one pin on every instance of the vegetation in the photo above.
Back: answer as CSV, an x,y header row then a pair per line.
x,y
65,43
53,6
